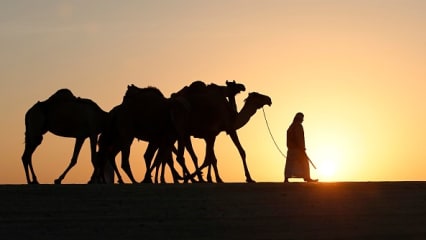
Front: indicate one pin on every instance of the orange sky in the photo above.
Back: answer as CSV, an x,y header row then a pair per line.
x,y
355,68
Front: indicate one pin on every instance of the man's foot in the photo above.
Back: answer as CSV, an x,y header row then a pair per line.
x,y
286,180
311,180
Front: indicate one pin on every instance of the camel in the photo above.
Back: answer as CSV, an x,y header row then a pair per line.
x,y
64,115
207,113
144,114
198,87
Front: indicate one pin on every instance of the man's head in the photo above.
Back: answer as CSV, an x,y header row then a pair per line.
x,y
299,117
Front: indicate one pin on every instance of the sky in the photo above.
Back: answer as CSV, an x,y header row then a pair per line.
x,y
355,68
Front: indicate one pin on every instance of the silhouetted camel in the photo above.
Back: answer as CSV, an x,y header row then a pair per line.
x,y
144,114
64,115
206,113
198,87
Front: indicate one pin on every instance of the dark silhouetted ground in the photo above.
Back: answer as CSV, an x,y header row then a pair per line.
x,y
365,210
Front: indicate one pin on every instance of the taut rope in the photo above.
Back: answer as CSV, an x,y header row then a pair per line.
x,y
270,133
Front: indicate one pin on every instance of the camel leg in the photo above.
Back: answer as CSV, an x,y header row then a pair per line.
x,y
181,160
107,172
169,160
30,147
125,161
111,160
209,156
148,156
108,153
157,169
164,156
237,143
35,181
162,161
214,164
163,169
194,158
105,162
157,165
209,175
93,143
212,161
77,147
208,159
98,168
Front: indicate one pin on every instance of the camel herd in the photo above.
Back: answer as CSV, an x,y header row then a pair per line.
x,y
199,110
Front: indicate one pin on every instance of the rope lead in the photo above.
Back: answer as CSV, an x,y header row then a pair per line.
x,y
270,133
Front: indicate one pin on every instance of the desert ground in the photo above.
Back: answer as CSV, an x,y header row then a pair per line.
x,y
343,210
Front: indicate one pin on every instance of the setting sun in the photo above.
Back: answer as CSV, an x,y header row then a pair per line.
x,y
326,170
326,158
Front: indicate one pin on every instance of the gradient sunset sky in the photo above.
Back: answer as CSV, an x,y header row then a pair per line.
x,y
355,68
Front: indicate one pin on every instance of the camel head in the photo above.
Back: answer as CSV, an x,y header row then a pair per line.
x,y
253,102
234,87
258,100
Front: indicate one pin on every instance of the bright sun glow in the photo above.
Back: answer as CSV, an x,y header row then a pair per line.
x,y
327,163
326,170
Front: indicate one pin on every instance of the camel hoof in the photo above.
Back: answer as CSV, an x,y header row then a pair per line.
x,y
250,181
58,181
201,180
95,181
193,181
147,180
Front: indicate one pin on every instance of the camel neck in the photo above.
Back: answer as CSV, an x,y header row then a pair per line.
x,y
244,116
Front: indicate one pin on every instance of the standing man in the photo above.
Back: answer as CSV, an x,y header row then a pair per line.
x,y
297,164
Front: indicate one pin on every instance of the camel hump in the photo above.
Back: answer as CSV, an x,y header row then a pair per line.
x,y
134,92
62,95
197,85
194,88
